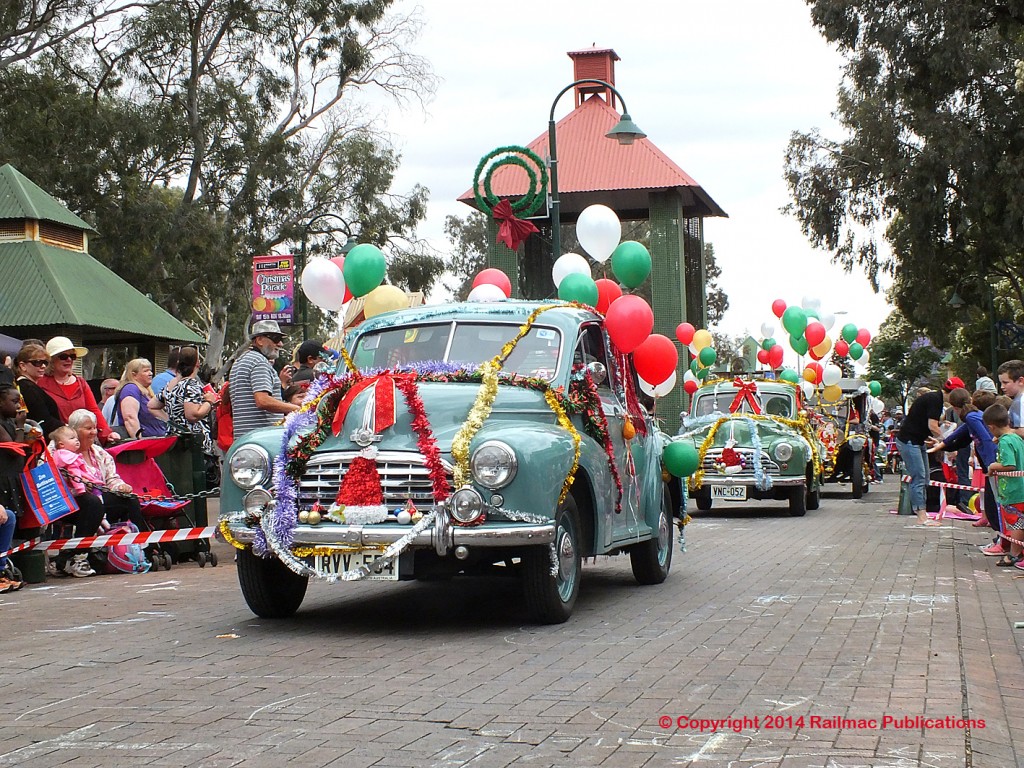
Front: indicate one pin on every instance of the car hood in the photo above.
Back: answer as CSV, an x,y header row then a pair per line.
x,y
739,429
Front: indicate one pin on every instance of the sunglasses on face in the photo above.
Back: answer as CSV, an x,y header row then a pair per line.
x,y
37,363
275,338
67,356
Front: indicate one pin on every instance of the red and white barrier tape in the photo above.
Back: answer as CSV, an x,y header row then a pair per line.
x,y
110,539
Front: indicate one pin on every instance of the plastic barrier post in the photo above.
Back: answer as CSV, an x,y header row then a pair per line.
x,y
905,506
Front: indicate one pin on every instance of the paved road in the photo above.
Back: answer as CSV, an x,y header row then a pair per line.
x,y
846,613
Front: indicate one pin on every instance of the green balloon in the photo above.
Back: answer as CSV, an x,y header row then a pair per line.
x,y
874,388
680,459
788,374
364,269
694,365
799,344
768,344
794,320
702,373
631,263
856,350
577,287
707,356
849,333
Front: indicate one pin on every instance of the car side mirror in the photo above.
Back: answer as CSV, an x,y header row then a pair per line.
x,y
597,372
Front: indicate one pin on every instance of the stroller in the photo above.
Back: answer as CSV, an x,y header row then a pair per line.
x,y
136,465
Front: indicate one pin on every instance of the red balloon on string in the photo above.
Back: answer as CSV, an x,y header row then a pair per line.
x,y
778,307
655,359
629,321
843,348
607,292
762,356
684,332
863,337
818,370
340,261
492,276
775,356
815,334
690,386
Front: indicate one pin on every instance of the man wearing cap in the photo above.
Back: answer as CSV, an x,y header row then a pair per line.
x,y
921,423
71,392
306,358
255,387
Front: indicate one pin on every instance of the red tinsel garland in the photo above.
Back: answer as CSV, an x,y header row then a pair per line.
x,y
595,413
425,440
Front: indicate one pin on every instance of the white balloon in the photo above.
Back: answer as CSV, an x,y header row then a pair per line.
x,y
662,389
828,320
599,230
809,302
486,292
807,389
767,331
689,376
831,375
877,405
568,264
324,284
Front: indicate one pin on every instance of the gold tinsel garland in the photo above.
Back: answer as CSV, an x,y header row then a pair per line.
x,y
328,551
566,424
225,531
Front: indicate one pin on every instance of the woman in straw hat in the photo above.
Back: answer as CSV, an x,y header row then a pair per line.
x,y
69,391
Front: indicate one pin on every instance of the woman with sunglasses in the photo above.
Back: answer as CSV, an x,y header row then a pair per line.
x,y
29,365
69,391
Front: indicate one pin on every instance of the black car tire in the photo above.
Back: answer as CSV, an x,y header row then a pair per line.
x,y
550,598
651,560
270,589
798,501
703,499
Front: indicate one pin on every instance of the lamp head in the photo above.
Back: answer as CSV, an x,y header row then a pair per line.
x,y
955,301
349,245
625,131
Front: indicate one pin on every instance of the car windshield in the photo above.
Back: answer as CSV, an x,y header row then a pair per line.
x,y
465,343
772,403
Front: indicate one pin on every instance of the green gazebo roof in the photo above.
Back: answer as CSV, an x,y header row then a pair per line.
x,y
21,198
46,286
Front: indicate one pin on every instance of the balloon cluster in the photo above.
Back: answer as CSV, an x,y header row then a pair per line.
x,y
704,355
330,283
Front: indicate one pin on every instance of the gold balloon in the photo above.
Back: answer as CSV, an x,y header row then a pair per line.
x,y
822,349
810,375
832,394
384,298
701,339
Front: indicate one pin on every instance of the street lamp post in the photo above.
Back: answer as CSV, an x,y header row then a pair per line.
x,y
302,262
957,302
625,132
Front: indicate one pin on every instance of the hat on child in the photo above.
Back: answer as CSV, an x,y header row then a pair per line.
x,y
954,382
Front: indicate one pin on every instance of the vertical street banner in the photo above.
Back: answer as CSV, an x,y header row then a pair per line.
x,y
273,288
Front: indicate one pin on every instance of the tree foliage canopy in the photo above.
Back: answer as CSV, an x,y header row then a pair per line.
x,y
925,184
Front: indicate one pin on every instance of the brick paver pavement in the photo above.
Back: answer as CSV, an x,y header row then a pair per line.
x,y
847,613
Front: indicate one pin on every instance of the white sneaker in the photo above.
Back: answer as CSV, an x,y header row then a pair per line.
x,y
78,566
51,568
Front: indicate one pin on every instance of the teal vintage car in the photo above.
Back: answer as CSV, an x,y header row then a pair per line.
x,y
757,443
472,438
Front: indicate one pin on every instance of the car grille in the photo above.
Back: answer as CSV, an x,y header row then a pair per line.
x,y
403,477
714,454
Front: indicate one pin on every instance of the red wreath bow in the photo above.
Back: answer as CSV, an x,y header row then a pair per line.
x,y
384,404
746,390
512,230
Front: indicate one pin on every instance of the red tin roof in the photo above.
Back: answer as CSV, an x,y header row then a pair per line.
x,y
594,169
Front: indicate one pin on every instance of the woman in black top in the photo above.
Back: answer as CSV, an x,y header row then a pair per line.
x,y
29,364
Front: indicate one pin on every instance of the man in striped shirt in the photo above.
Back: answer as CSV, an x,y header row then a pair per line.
x,y
255,387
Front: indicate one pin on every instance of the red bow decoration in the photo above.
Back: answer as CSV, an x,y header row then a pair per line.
x,y
384,401
746,390
512,231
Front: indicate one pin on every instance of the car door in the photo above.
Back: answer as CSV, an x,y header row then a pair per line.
x,y
591,347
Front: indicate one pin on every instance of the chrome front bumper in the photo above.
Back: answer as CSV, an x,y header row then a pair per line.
x,y
443,536
777,482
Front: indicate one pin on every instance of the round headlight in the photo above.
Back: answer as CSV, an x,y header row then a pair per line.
x,y
783,451
493,465
256,501
466,506
250,466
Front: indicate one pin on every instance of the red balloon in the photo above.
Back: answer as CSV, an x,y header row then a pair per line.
x,y
684,332
607,292
340,261
863,337
629,321
843,348
818,370
492,276
690,385
814,355
775,356
655,359
778,308
814,333
762,356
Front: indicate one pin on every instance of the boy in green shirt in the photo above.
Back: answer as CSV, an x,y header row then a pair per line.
x,y
1010,490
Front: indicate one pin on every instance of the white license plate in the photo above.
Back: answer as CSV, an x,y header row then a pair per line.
x,y
340,562
729,492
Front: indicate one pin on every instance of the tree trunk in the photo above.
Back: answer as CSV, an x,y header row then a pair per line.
x,y
218,332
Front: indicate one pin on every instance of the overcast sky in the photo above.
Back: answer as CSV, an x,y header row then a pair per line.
x,y
717,86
